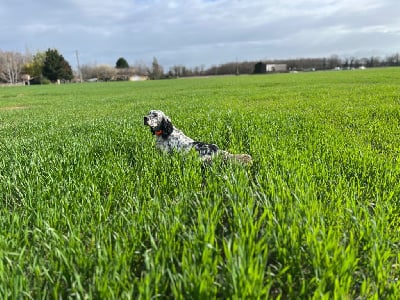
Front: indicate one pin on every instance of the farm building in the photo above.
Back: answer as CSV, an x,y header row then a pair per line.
x,y
261,68
276,68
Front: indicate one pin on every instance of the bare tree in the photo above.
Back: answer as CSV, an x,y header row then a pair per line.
x,y
106,72
124,73
156,70
99,72
88,72
334,61
141,68
11,64
176,70
373,61
393,60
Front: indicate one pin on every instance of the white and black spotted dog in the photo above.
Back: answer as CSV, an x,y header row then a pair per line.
x,y
169,138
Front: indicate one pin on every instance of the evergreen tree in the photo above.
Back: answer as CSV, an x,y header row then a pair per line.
x,y
121,63
56,67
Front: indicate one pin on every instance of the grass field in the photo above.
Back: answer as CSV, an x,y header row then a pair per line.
x,y
90,209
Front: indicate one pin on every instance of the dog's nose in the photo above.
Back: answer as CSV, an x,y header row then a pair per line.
x,y
146,119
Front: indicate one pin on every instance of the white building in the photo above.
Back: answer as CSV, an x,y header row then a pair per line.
x,y
276,68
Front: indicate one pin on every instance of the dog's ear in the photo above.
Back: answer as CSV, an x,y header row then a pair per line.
x,y
166,127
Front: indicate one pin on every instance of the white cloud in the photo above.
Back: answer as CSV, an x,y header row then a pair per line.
x,y
195,32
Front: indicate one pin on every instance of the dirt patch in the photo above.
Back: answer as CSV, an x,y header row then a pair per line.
x,y
13,107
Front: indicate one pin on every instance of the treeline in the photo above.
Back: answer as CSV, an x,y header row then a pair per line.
x,y
50,66
122,71
296,64
43,67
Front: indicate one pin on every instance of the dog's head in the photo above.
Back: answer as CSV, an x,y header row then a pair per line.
x,y
159,123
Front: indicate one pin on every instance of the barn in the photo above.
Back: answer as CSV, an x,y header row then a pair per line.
x,y
261,68
276,68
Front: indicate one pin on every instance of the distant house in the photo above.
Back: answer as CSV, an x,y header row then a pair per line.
x,y
26,79
138,78
261,68
276,68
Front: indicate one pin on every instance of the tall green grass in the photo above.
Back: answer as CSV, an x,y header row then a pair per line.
x,y
90,209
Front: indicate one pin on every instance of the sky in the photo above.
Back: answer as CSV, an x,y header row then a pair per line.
x,y
200,32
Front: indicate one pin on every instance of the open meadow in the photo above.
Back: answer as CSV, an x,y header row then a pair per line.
x,y
91,210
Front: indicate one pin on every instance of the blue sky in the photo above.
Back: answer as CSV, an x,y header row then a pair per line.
x,y
200,32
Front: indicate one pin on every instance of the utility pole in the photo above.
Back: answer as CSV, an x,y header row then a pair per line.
x,y
79,67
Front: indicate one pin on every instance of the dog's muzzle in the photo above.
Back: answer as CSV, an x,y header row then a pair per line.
x,y
146,121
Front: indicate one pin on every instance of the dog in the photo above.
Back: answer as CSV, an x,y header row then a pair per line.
x,y
169,139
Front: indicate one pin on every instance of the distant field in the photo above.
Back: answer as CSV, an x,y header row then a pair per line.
x,y
90,209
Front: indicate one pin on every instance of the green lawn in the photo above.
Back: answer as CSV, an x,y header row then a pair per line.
x,y
90,209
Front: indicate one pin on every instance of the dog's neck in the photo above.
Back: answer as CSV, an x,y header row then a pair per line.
x,y
163,133
158,132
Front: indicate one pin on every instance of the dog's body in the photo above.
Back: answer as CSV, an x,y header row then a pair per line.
x,y
169,138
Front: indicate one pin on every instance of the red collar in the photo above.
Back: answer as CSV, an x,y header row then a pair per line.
x,y
159,132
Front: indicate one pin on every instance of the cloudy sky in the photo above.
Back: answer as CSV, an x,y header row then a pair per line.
x,y
200,32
